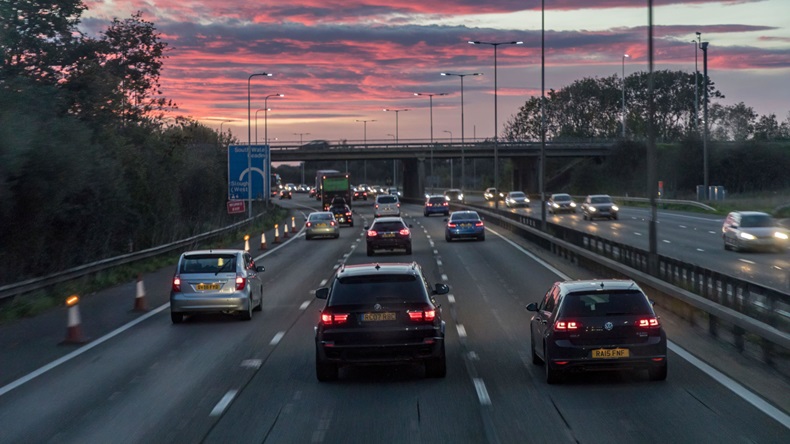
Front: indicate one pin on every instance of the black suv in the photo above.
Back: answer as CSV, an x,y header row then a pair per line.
x,y
380,314
388,233
597,325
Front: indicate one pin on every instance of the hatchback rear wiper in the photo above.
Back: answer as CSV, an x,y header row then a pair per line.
x,y
222,267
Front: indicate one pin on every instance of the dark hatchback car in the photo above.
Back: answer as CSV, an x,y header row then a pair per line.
x,y
597,325
465,225
343,214
380,314
436,205
388,233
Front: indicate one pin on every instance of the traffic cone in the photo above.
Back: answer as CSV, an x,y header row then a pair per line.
x,y
139,299
293,224
246,242
285,230
263,241
74,325
276,233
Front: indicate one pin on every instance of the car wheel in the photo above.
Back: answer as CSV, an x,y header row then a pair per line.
x,y
351,224
325,371
436,367
614,217
246,315
658,373
259,307
552,376
584,216
370,251
425,214
337,235
177,318
408,249
726,245
447,238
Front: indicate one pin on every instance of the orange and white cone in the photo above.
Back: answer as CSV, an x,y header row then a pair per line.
x,y
246,242
285,230
139,299
74,326
263,241
276,233
293,224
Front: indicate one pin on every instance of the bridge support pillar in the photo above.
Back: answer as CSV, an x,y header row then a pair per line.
x,y
525,175
413,178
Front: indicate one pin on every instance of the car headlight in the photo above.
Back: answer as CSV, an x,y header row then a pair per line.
x,y
460,197
592,209
780,235
555,205
573,204
747,236
615,208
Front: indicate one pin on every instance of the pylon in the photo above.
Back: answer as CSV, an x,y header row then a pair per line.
x,y
246,242
285,230
293,224
74,325
263,241
276,233
139,299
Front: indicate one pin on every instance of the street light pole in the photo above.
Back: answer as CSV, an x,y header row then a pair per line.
x,y
266,117
300,136
396,111
451,159
249,144
623,113
696,83
496,107
430,97
704,47
256,124
365,142
463,155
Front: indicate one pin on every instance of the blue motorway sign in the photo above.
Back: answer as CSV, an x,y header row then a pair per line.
x,y
238,171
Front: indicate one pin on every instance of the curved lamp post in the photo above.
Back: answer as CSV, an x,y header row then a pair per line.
x,y
496,123
256,124
249,145
463,156
430,98
396,111
625,56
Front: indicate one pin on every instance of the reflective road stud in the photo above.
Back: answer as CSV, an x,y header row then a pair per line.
x,y
74,327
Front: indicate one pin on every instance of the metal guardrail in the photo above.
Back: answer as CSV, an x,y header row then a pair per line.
x,y
40,283
692,203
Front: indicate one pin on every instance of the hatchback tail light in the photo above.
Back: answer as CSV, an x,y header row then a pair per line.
x,y
567,325
348,213
479,223
422,315
372,233
648,323
404,232
451,224
241,282
176,284
309,224
334,318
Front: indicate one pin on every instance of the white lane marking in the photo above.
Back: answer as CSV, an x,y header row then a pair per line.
x,y
336,266
461,331
451,299
444,277
276,339
532,256
304,305
473,356
435,251
733,386
713,232
637,234
323,283
439,262
432,244
252,363
482,393
682,226
223,403
700,249
667,242
748,261
40,371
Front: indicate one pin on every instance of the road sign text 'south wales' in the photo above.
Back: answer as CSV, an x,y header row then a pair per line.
x,y
238,170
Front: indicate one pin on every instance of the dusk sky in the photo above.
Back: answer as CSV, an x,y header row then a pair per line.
x,y
338,61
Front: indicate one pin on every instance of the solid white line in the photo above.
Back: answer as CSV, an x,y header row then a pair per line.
x,y
532,256
451,299
482,393
223,403
276,339
733,386
747,261
80,350
304,305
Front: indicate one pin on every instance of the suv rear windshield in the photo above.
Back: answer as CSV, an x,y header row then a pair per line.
x,y
208,263
387,199
388,226
377,288
605,304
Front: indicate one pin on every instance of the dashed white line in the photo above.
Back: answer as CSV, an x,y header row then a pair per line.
x,y
451,299
700,249
323,282
276,339
747,261
667,242
445,278
461,331
336,266
252,363
482,393
439,262
682,226
432,244
435,251
713,232
304,305
223,403
637,234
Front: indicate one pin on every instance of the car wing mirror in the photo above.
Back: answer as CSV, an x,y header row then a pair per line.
x,y
367,227
532,307
441,289
322,293
260,268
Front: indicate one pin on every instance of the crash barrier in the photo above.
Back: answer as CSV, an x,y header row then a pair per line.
x,y
750,316
8,292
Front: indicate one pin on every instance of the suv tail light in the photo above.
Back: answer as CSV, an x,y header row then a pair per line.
x,y
648,323
479,223
372,233
422,315
309,224
241,282
451,224
404,232
177,284
567,325
334,318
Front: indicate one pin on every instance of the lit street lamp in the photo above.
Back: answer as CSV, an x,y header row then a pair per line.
x,y
430,97
396,111
496,124
249,146
266,117
623,115
256,124
463,157
365,141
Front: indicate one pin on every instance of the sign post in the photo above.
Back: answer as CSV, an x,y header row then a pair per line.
x,y
240,175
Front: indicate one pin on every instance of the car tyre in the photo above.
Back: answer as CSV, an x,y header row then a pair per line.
x,y
552,376
481,238
176,318
535,358
325,371
337,236
351,224
448,238
408,249
259,307
436,367
370,251
308,237
658,373
246,315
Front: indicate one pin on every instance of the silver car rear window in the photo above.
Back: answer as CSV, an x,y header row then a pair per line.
x,y
387,199
208,263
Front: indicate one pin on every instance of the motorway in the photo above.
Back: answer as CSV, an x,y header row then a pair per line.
x,y
689,237
216,379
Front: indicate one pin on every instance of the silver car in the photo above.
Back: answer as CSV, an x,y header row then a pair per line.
x,y
321,224
387,205
216,281
515,199
753,230
599,206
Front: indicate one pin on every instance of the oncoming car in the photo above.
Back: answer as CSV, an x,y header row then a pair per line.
x,y
379,314
321,223
597,325
464,225
753,230
454,195
599,206
492,194
216,281
561,203
516,199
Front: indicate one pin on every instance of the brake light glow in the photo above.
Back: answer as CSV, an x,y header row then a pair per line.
x,y
422,315
348,213
372,233
648,323
404,232
309,224
451,224
566,325
332,223
479,223
241,282
377,205
176,284
334,318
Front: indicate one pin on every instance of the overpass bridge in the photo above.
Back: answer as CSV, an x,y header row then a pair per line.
x,y
415,155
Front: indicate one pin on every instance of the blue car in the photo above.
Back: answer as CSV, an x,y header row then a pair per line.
x,y
465,225
436,205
